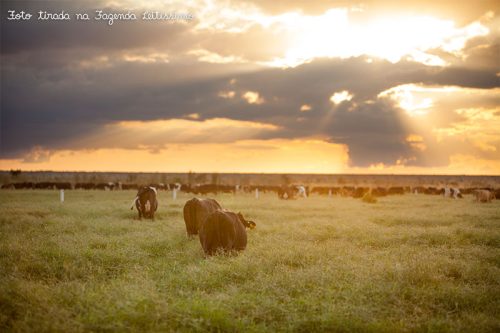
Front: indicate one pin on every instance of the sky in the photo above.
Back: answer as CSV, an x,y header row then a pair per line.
x,y
398,87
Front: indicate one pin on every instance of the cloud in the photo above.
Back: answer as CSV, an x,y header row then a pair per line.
x,y
37,155
340,97
66,105
310,156
252,97
78,87
305,108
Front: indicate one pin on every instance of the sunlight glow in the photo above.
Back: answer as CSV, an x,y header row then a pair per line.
x,y
340,97
305,108
253,97
412,98
214,58
391,38
226,94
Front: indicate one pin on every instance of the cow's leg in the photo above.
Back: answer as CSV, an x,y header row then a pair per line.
x,y
140,215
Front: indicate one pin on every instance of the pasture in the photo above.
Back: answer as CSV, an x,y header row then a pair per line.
x,y
410,263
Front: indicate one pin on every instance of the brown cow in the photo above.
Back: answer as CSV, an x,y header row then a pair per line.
x,y
286,192
146,202
224,230
196,211
483,195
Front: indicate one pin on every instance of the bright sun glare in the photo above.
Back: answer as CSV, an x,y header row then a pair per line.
x,y
391,38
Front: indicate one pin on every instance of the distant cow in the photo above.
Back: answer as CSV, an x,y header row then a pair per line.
x,y
396,190
286,192
483,195
224,230
455,193
379,192
196,211
301,191
146,202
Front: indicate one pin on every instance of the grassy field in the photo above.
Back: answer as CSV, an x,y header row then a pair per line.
x,y
407,263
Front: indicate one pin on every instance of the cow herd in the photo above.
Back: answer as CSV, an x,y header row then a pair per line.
x,y
285,192
218,229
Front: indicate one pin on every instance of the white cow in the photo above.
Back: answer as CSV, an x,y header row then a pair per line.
x,y
301,191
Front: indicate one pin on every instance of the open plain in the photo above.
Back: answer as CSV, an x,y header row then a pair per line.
x,y
408,263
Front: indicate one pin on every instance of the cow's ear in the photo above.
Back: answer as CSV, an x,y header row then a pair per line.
x,y
251,224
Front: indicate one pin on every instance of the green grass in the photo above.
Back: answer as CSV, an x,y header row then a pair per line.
x,y
404,264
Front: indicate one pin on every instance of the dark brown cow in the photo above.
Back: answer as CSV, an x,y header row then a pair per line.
x,y
196,211
359,192
146,202
484,195
379,192
224,230
396,190
286,192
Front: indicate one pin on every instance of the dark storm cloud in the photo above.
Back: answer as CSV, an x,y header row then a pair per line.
x,y
56,108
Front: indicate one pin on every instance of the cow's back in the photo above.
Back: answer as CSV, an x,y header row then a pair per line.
x,y
196,211
217,232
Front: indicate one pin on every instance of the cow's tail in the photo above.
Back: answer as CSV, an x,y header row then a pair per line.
x,y
133,202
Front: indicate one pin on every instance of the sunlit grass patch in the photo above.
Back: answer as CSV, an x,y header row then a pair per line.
x,y
405,263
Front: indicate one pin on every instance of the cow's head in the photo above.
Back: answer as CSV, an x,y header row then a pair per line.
x,y
247,224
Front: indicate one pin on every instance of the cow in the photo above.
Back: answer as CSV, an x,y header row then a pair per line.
x,y
224,230
455,193
347,191
396,190
379,192
286,192
483,195
196,211
146,203
359,192
301,191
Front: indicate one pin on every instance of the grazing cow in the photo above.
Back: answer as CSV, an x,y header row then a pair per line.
x,y
483,195
347,191
146,202
379,192
224,230
196,211
396,190
431,191
301,191
455,193
286,192
359,192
